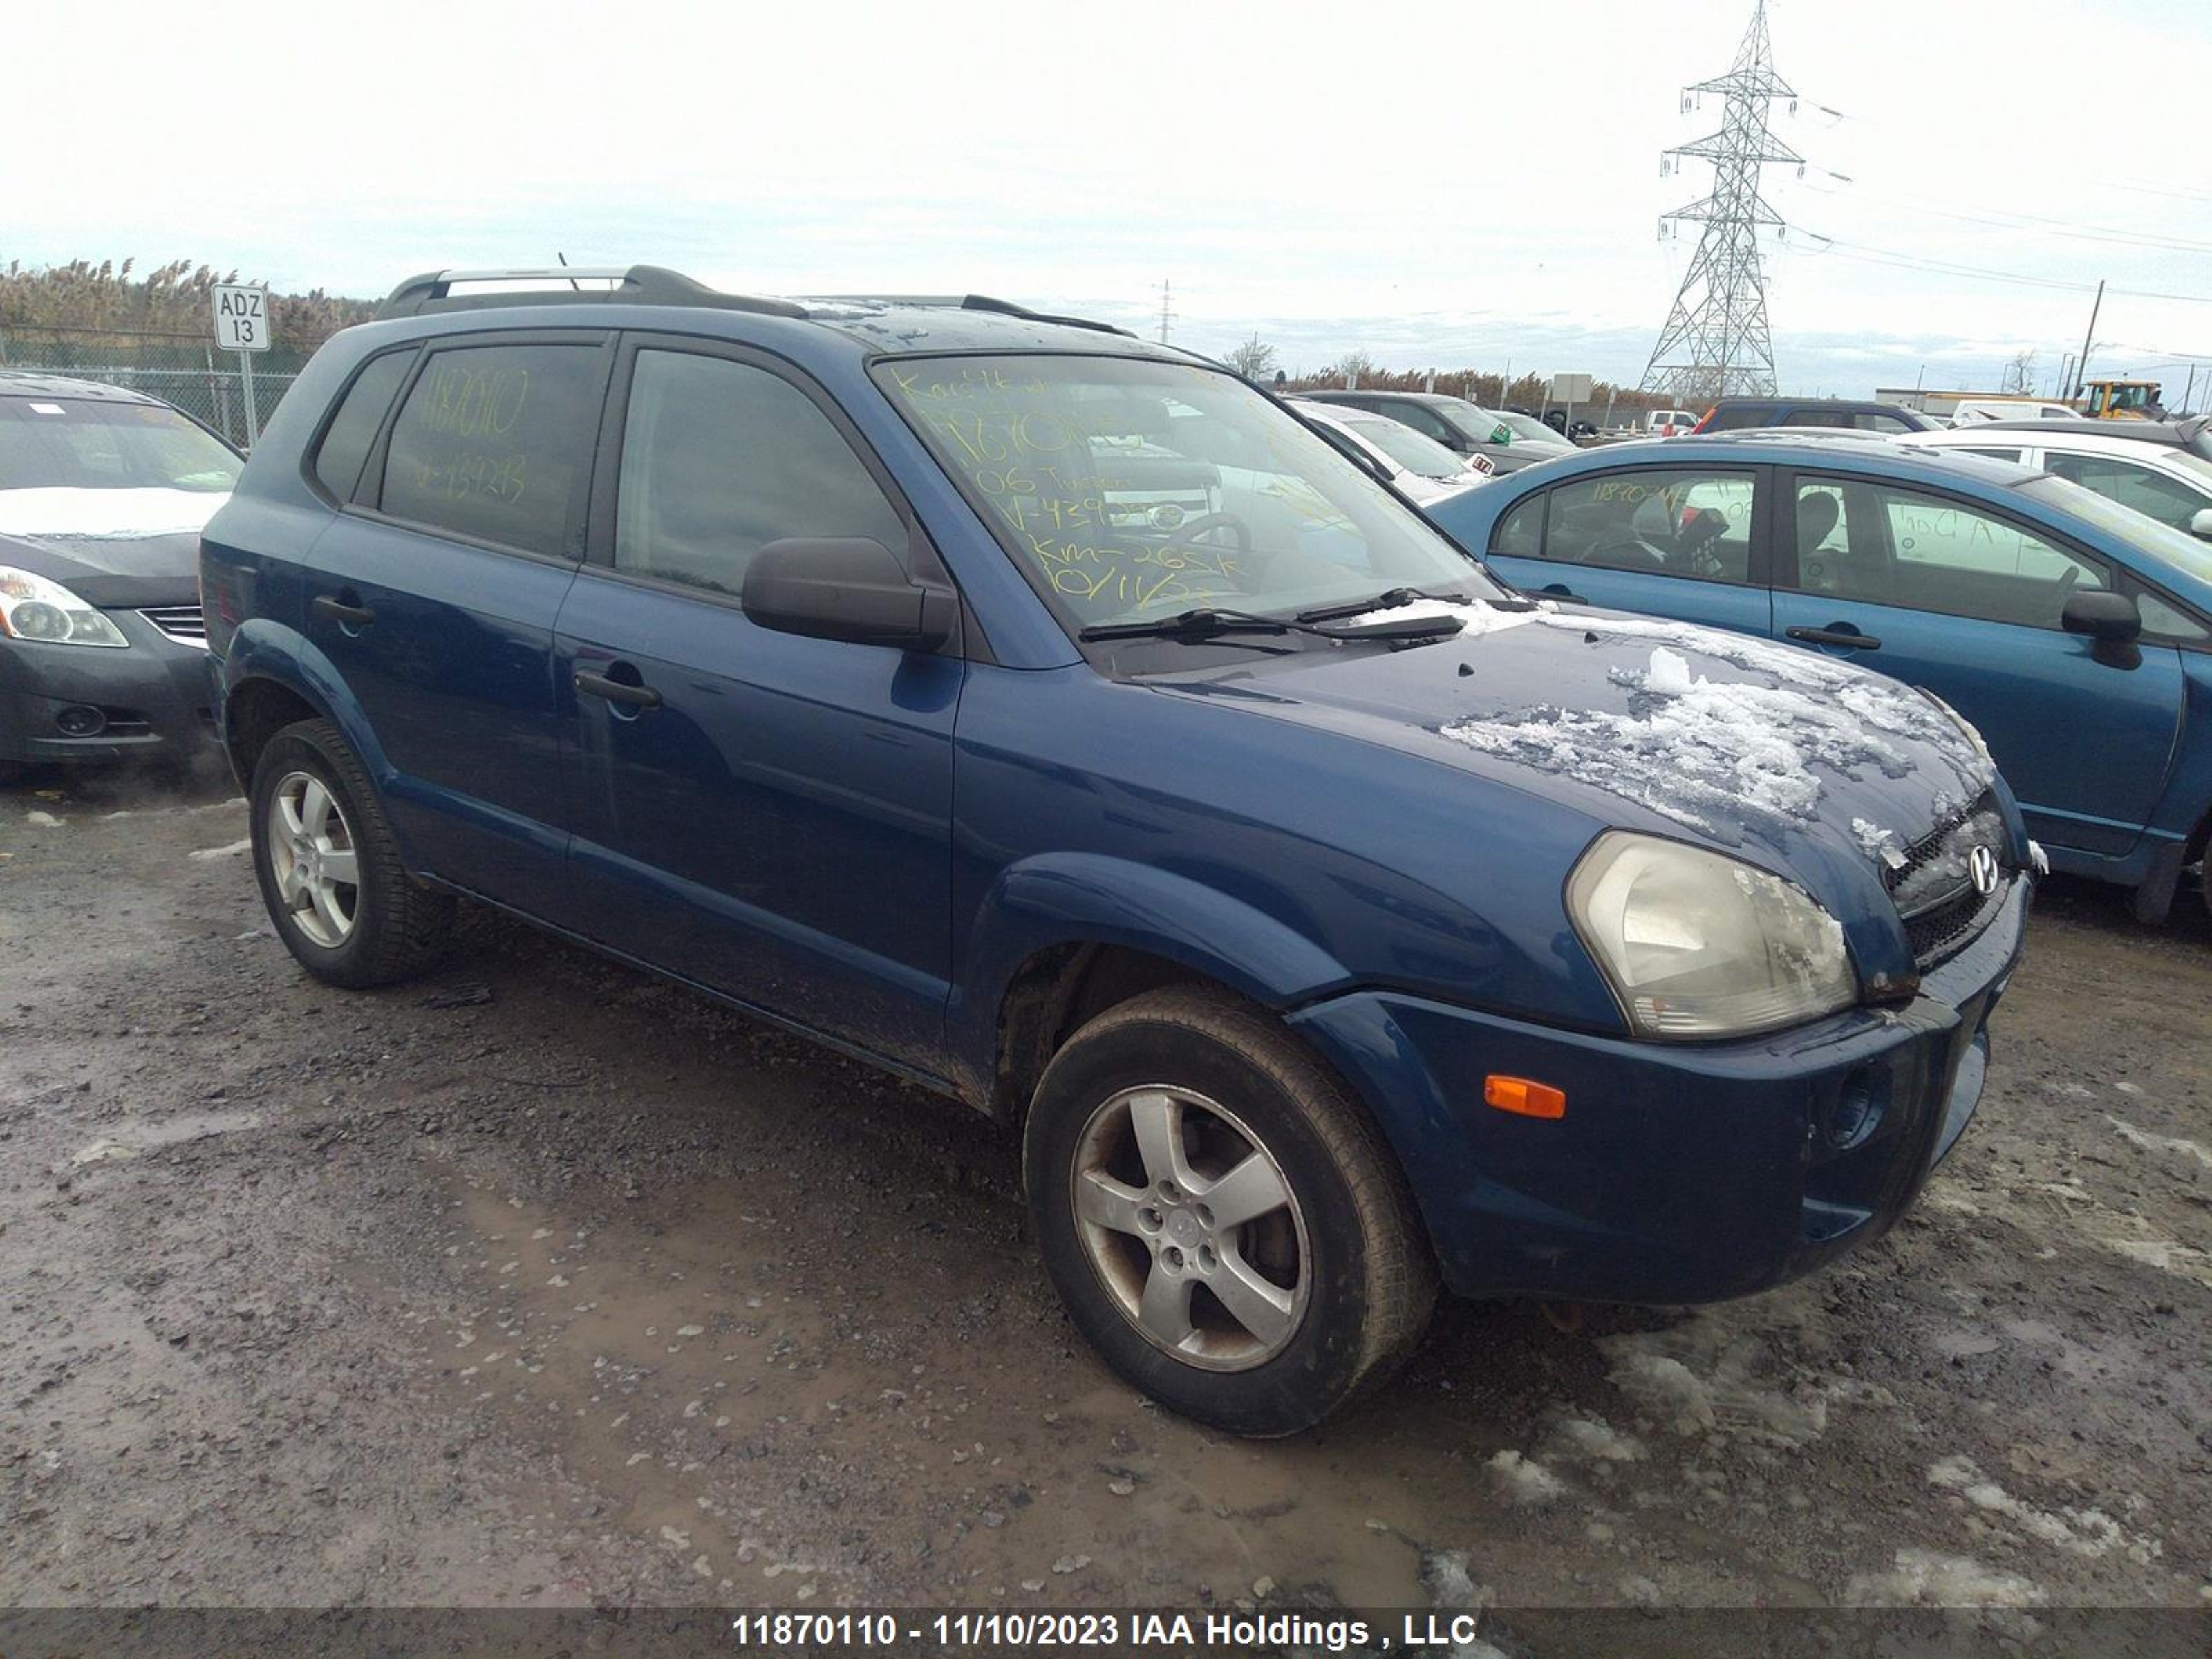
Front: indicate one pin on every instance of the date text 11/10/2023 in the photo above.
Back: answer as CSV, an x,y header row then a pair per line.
x,y
1175,1631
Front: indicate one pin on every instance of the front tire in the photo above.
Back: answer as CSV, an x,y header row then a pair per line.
x,y
329,865
1225,1224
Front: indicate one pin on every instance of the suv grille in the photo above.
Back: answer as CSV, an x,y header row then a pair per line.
x,y
182,623
1934,891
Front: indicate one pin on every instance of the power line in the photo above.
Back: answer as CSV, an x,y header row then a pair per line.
x,y
2028,221
1943,267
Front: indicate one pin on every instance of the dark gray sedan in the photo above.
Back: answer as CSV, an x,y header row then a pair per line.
x,y
103,493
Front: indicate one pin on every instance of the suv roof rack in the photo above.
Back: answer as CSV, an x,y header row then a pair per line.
x,y
983,302
652,285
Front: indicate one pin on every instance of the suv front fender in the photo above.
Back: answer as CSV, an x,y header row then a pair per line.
x,y
1058,899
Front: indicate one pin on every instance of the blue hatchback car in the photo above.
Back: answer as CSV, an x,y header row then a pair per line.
x,y
1055,720
2075,633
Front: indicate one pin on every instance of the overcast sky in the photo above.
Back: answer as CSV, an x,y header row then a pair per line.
x,y
1437,184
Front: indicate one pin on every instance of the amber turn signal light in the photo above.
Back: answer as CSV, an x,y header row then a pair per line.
x,y
1518,1094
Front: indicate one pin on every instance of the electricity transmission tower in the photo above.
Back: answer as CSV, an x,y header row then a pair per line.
x,y
1716,343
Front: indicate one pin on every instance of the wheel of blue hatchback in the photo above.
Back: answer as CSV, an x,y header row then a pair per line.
x,y
329,865
1225,1224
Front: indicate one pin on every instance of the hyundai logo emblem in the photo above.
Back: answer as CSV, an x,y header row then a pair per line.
x,y
1982,868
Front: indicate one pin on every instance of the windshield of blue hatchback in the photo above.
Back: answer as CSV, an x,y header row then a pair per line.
x,y
1128,489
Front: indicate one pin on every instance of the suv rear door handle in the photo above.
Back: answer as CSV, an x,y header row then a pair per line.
x,y
1843,637
356,615
637,696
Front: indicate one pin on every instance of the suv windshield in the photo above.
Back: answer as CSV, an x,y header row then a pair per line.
x,y
1127,490
86,443
1415,452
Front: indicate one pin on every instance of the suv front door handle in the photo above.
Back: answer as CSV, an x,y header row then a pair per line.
x,y
1558,591
354,616
1843,637
636,696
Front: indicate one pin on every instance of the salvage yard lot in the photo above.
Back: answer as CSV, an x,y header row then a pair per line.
x,y
543,1282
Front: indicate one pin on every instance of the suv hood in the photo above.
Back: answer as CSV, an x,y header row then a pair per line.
x,y
1656,726
113,547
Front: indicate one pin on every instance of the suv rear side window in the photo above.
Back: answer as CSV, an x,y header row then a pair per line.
x,y
345,446
494,443
719,459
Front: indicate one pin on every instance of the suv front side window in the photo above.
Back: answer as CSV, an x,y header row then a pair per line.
x,y
721,458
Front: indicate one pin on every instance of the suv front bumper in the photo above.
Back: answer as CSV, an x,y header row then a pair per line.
x,y
1680,1173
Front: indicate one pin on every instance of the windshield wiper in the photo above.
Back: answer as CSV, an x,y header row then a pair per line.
x,y
1383,601
1206,623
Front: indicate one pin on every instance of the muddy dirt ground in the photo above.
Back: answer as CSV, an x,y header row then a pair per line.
x,y
539,1282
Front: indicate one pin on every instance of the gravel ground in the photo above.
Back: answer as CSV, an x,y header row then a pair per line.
x,y
540,1283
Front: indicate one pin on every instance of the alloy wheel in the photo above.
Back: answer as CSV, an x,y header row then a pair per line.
x,y
1192,1227
313,857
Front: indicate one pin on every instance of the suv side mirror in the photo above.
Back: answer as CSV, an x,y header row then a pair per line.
x,y
840,588
2107,618
2200,523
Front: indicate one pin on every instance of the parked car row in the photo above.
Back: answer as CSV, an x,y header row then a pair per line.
x,y
1463,427
1422,469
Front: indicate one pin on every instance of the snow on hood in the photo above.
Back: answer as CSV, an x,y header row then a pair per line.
x,y
104,514
1716,756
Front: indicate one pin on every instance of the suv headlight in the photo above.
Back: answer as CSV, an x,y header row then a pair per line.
x,y
1697,944
38,608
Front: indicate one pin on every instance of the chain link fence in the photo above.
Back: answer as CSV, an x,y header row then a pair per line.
x,y
183,369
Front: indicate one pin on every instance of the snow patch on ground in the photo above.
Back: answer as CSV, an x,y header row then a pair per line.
x,y
1595,1440
102,1150
42,820
2090,1532
1699,1379
1925,1579
1524,1479
2166,1255
232,851
2144,1140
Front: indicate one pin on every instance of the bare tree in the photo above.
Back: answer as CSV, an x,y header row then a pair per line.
x,y
1352,368
2019,373
1255,359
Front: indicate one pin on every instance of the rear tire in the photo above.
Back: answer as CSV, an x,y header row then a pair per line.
x,y
1226,1226
329,865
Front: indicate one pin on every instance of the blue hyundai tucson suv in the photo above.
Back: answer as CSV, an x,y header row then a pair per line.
x,y
1055,720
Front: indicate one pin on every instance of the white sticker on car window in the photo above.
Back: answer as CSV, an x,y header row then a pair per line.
x,y
48,409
